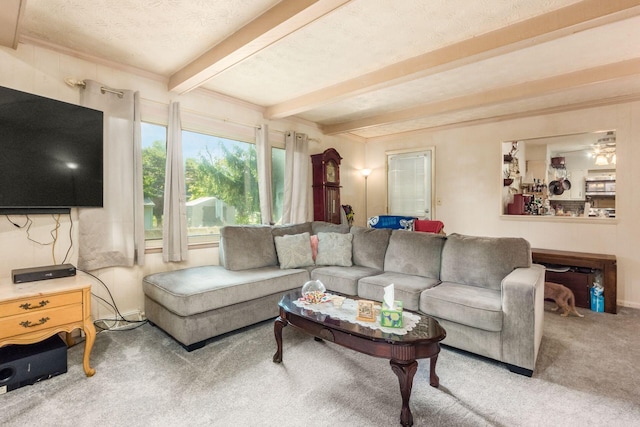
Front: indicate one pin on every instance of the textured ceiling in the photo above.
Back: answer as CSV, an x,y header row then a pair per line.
x,y
350,66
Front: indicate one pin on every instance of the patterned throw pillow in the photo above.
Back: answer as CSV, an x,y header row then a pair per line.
x,y
335,249
294,250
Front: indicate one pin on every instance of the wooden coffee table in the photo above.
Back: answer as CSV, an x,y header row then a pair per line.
x,y
421,342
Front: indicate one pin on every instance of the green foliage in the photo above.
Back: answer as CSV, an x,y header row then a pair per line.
x,y
154,159
231,178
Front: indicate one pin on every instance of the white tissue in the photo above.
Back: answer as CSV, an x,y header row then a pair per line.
x,y
389,296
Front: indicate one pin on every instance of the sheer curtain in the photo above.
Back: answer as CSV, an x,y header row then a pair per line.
x,y
106,236
174,221
296,184
263,154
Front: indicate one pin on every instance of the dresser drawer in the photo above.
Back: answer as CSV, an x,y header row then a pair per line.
x,y
38,303
37,320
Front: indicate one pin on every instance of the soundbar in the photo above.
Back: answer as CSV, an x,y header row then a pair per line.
x,y
22,275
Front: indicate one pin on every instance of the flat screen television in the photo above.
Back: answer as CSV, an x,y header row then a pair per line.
x,y
51,154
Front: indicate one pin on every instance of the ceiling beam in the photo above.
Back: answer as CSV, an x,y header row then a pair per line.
x,y
10,17
495,96
559,23
281,20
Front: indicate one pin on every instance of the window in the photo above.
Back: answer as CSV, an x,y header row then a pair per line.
x,y
410,183
222,183
220,177
154,158
277,183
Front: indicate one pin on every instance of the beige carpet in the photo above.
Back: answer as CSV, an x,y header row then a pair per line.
x,y
587,375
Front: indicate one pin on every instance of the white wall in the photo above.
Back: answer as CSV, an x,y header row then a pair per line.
x,y
42,71
469,185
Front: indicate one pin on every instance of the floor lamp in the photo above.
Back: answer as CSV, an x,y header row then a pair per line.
x,y
365,173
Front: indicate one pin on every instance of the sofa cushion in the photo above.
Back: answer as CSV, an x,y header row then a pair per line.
x,y
294,250
343,280
414,253
283,230
469,305
245,247
200,289
482,261
370,246
407,287
328,227
334,249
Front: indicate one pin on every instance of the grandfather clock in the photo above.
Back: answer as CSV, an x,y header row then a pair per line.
x,y
326,186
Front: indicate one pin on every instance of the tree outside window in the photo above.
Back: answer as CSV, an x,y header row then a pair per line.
x,y
221,181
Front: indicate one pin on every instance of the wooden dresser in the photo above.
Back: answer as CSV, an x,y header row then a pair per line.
x,y
606,263
31,312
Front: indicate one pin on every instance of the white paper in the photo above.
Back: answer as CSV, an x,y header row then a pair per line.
x,y
389,296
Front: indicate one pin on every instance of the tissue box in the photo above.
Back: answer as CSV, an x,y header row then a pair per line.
x,y
391,317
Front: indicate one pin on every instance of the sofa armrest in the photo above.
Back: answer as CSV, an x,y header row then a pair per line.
x,y
523,311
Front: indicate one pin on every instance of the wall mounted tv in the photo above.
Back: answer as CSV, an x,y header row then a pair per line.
x,y
50,154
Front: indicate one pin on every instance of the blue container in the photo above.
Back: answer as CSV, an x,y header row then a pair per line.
x,y
597,299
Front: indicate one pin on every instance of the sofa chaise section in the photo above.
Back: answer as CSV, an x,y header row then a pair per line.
x,y
198,303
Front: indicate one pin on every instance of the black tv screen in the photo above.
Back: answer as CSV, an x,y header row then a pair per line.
x,y
50,154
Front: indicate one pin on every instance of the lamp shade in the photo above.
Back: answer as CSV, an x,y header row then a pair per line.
x,y
365,172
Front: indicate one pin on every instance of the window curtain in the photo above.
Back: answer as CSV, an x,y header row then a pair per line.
x,y
107,236
296,183
174,221
263,154
138,206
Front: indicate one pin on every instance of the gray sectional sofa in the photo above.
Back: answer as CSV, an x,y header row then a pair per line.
x,y
484,291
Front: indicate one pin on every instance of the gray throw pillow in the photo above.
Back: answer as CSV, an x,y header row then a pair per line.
x,y
334,249
294,250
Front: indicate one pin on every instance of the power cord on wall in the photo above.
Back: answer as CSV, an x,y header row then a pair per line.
x,y
118,317
53,232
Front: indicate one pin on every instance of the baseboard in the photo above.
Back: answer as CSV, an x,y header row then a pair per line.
x,y
130,316
629,304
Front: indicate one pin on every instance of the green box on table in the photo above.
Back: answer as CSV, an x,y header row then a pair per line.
x,y
391,317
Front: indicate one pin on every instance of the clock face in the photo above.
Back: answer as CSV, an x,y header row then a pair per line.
x,y
331,172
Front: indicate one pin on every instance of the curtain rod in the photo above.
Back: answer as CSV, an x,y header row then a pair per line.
x,y
80,83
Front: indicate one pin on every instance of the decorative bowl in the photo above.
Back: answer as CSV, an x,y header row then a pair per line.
x,y
313,291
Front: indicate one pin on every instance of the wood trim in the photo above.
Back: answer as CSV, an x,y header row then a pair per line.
x,y
550,26
496,96
278,22
512,116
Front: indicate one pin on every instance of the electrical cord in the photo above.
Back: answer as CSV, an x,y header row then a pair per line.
x,y
54,235
64,261
118,317
53,232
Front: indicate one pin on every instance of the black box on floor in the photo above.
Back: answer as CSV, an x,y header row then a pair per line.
x,y
22,365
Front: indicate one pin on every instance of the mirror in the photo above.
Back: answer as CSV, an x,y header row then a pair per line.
x,y
561,176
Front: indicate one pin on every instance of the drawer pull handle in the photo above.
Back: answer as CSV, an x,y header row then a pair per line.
x,y
27,306
28,324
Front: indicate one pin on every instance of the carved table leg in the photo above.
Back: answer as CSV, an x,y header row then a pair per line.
x,y
434,380
405,372
90,337
277,331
